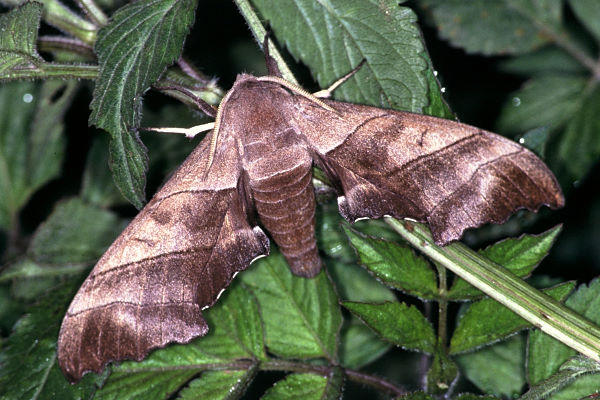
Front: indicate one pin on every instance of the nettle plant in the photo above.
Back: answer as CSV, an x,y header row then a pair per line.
x,y
392,313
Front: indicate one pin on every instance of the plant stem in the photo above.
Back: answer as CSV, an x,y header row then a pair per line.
x,y
52,44
259,32
93,12
56,71
442,307
59,16
500,284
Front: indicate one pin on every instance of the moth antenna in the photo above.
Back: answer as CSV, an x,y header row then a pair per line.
x,y
298,90
326,93
189,133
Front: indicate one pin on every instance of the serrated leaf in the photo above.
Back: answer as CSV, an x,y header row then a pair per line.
x,y
549,100
519,255
332,38
396,266
437,105
497,369
236,330
355,283
218,385
546,355
580,146
588,12
142,39
396,323
360,346
487,321
28,357
75,233
547,60
31,140
18,36
574,368
301,316
298,386
495,27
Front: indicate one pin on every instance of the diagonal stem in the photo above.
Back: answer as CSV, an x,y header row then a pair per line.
x,y
500,284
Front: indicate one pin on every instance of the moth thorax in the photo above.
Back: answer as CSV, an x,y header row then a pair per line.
x,y
285,201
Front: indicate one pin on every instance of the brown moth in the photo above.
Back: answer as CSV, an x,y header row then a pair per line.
x,y
204,225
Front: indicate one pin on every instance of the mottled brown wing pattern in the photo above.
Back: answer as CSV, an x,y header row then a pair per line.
x,y
451,175
173,260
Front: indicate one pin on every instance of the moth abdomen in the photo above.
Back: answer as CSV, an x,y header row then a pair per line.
x,y
284,199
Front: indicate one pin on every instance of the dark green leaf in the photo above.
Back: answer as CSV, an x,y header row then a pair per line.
x,y
218,385
31,140
437,105
519,255
535,140
495,27
18,35
396,266
75,232
415,396
470,396
359,345
580,145
301,316
547,60
236,330
497,369
29,367
142,39
397,323
588,12
546,355
488,321
298,386
330,234
549,100
332,38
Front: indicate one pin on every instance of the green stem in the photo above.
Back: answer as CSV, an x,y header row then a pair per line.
x,y
94,12
442,307
534,306
61,17
259,32
51,44
56,71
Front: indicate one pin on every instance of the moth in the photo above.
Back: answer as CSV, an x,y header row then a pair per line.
x,y
211,219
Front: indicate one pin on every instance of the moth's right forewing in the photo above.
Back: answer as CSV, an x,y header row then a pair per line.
x,y
171,262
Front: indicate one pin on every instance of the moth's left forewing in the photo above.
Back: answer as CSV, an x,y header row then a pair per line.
x,y
451,175
172,261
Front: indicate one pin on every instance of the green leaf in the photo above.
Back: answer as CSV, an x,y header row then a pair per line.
x,y
574,368
75,233
535,140
470,396
298,386
354,283
332,38
580,145
31,140
397,323
142,39
530,107
487,321
394,265
498,369
236,330
588,12
301,316
360,346
217,385
495,27
547,60
546,355
442,374
519,255
18,36
415,396
29,366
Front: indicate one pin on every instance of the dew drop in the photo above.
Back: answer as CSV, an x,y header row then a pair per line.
x,y
522,140
516,101
27,97
443,90
435,73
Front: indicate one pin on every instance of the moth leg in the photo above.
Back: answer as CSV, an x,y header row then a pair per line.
x,y
326,93
189,133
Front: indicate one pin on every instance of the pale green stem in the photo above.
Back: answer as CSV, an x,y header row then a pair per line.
x,y
500,284
259,32
61,17
93,12
56,71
